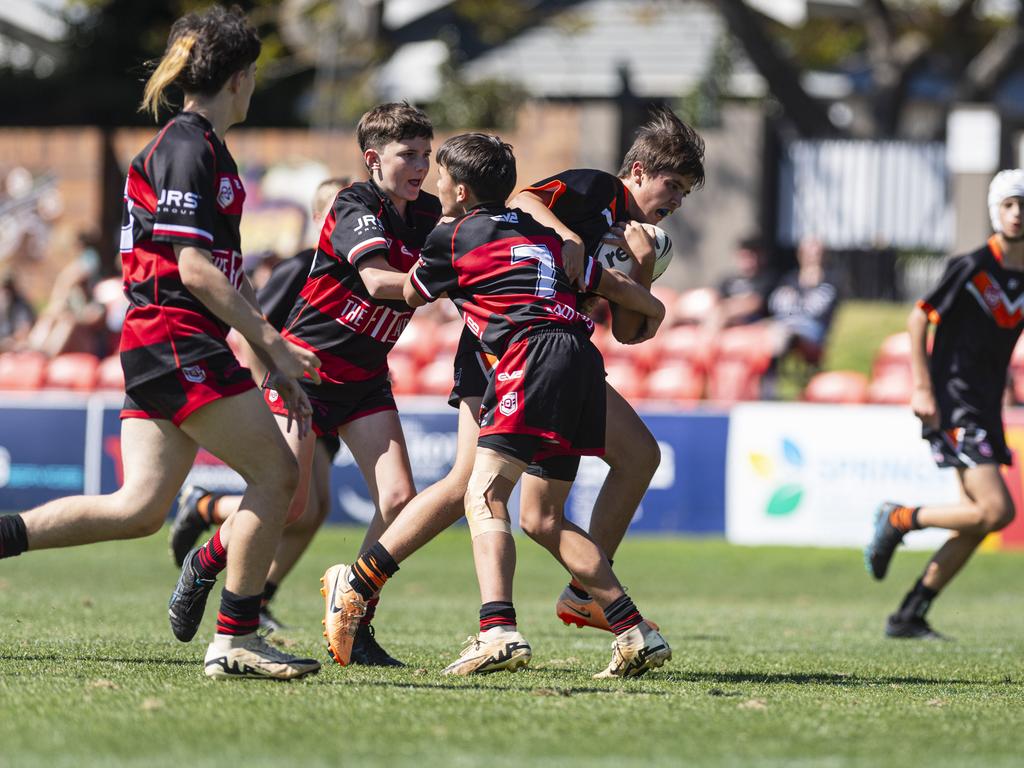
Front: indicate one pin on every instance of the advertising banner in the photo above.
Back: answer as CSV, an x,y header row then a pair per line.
x,y
806,474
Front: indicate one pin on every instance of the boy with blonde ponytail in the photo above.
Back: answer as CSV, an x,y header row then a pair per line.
x,y
181,253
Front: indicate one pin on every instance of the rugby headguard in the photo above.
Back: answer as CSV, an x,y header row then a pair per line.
x,y
1005,184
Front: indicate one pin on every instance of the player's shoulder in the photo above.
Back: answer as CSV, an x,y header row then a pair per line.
x,y
971,260
361,195
179,137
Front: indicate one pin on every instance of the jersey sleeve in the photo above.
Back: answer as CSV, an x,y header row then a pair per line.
x,y
434,273
941,299
358,232
592,271
574,194
277,296
182,176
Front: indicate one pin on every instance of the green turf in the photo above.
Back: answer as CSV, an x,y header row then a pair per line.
x,y
778,661
858,330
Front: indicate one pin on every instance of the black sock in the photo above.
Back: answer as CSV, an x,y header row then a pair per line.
x,y
914,524
622,615
917,602
239,615
13,536
497,614
269,590
581,593
374,567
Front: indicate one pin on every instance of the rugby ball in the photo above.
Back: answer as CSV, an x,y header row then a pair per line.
x,y
611,255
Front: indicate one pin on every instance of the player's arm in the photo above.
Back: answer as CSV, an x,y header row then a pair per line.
x,y
434,274
253,357
627,324
382,280
572,244
410,295
624,291
922,398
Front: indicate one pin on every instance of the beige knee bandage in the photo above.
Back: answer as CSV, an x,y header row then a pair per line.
x,y
486,469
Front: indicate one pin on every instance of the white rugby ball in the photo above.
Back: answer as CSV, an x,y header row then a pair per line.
x,y
611,255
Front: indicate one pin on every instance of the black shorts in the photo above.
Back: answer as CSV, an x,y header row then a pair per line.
x,y
549,384
331,443
473,368
177,395
968,446
349,402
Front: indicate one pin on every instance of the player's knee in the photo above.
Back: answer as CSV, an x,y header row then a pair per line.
x,y
140,517
477,500
999,515
543,529
393,501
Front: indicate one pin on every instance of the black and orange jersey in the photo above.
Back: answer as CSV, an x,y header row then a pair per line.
x,y
504,272
182,189
588,202
978,307
334,314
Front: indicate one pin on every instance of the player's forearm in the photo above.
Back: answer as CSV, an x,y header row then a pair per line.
x,y
208,284
382,281
917,327
626,323
410,295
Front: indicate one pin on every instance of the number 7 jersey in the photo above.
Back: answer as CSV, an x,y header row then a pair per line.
x,y
504,272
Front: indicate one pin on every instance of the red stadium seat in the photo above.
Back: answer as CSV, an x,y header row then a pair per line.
x,y
688,343
892,388
750,344
694,306
403,368
623,377
419,339
110,375
675,380
74,370
837,387
731,380
22,370
435,378
448,335
893,355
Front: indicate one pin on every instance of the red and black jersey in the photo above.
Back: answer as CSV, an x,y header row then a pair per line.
x,y
334,314
504,272
588,202
978,307
182,189
277,296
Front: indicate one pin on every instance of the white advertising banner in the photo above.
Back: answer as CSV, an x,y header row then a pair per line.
x,y
806,474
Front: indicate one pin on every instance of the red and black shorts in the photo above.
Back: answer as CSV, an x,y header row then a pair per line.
x,y
967,446
473,368
549,385
346,403
177,395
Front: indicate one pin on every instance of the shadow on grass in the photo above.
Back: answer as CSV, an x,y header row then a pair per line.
x,y
64,658
817,678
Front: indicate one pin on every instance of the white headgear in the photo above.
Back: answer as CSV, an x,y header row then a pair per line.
x,y
1005,184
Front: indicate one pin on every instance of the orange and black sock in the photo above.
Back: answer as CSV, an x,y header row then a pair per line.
x,y
373,568
211,558
269,590
497,614
904,519
622,615
206,507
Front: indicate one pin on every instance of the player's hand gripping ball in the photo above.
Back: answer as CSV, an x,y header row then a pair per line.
x,y
612,255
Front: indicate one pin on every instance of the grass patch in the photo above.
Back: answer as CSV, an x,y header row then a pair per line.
x,y
779,661
858,330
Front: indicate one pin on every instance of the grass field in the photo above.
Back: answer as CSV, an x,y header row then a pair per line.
x,y
779,660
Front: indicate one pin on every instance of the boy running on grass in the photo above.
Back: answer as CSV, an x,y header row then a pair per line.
x,y
978,309
544,406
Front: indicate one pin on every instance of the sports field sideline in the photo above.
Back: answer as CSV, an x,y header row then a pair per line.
x,y
779,660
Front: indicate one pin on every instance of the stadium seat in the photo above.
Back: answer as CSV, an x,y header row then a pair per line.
x,y
750,344
403,368
110,375
75,370
675,380
837,387
435,378
733,379
688,343
893,354
693,306
22,370
625,379
448,335
419,339
894,387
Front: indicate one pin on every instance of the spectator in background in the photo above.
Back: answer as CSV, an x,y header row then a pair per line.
x,y
16,316
800,309
743,296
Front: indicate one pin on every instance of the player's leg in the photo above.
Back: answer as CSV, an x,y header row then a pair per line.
x,y
426,515
198,509
638,645
986,507
155,454
498,646
378,447
633,456
241,432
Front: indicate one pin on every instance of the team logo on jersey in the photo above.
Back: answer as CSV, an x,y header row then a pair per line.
x,y
509,404
993,299
509,218
225,193
369,221
272,396
511,375
230,194
194,373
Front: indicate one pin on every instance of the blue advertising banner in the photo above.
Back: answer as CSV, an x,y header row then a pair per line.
x,y
687,494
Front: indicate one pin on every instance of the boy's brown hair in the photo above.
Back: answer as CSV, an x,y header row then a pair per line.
x,y
666,143
392,122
